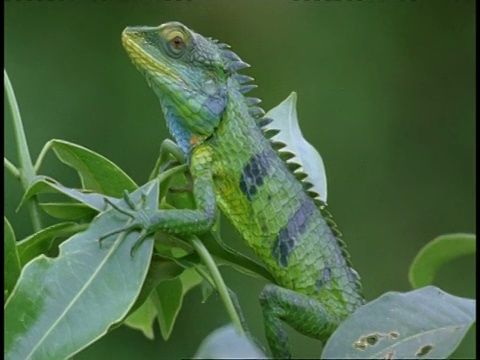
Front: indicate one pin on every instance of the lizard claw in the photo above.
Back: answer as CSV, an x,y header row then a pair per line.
x,y
132,214
143,198
128,213
138,242
127,228
126,196
143,235
128,200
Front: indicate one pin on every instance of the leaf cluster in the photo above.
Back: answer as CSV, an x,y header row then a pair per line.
x,y
65,289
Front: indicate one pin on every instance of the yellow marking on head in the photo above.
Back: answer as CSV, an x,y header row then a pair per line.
x,y
143,59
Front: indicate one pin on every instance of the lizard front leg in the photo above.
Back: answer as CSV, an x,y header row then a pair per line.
x,y
303,313
180,221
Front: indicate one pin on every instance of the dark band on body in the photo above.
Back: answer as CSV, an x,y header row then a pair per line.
x,y
324,278
255,171
290,235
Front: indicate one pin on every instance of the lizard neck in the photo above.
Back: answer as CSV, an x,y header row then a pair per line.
x,y
237,123
180,134
183,136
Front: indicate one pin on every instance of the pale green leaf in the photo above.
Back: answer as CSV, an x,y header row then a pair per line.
x,y
227,343
423,324
59,306
40,242
285,121
45,184
12,265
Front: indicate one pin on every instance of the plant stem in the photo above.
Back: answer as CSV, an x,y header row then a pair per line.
x,y
219,283
177,169
167,148
12,168
41,155
27,172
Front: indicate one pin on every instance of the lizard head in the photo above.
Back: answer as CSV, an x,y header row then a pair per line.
x,y
189,73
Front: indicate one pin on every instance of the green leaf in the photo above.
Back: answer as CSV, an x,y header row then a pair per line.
x,y
163,269
142,319
226,343
422,324
207,290
45,184
160,270
40,242
59,306
168,299
68,211
11,259
285,121
190,278
436,253
96,172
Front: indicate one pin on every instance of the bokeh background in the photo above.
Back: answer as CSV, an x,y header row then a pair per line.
x,y
386,93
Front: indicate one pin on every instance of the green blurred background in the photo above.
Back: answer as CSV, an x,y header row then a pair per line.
x,y
386,94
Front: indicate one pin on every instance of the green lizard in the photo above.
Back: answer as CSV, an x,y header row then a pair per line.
x,y
235,167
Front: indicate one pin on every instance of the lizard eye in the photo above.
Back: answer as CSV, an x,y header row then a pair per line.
x,y
176,45
177,42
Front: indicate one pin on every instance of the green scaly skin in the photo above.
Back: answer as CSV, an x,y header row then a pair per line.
x,y
234,167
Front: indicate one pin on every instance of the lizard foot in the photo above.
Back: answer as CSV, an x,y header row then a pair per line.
x,y
139,217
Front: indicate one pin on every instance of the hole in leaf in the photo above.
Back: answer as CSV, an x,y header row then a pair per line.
x,y
393,335
424,350
372,339
369,340
389,355
360,344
